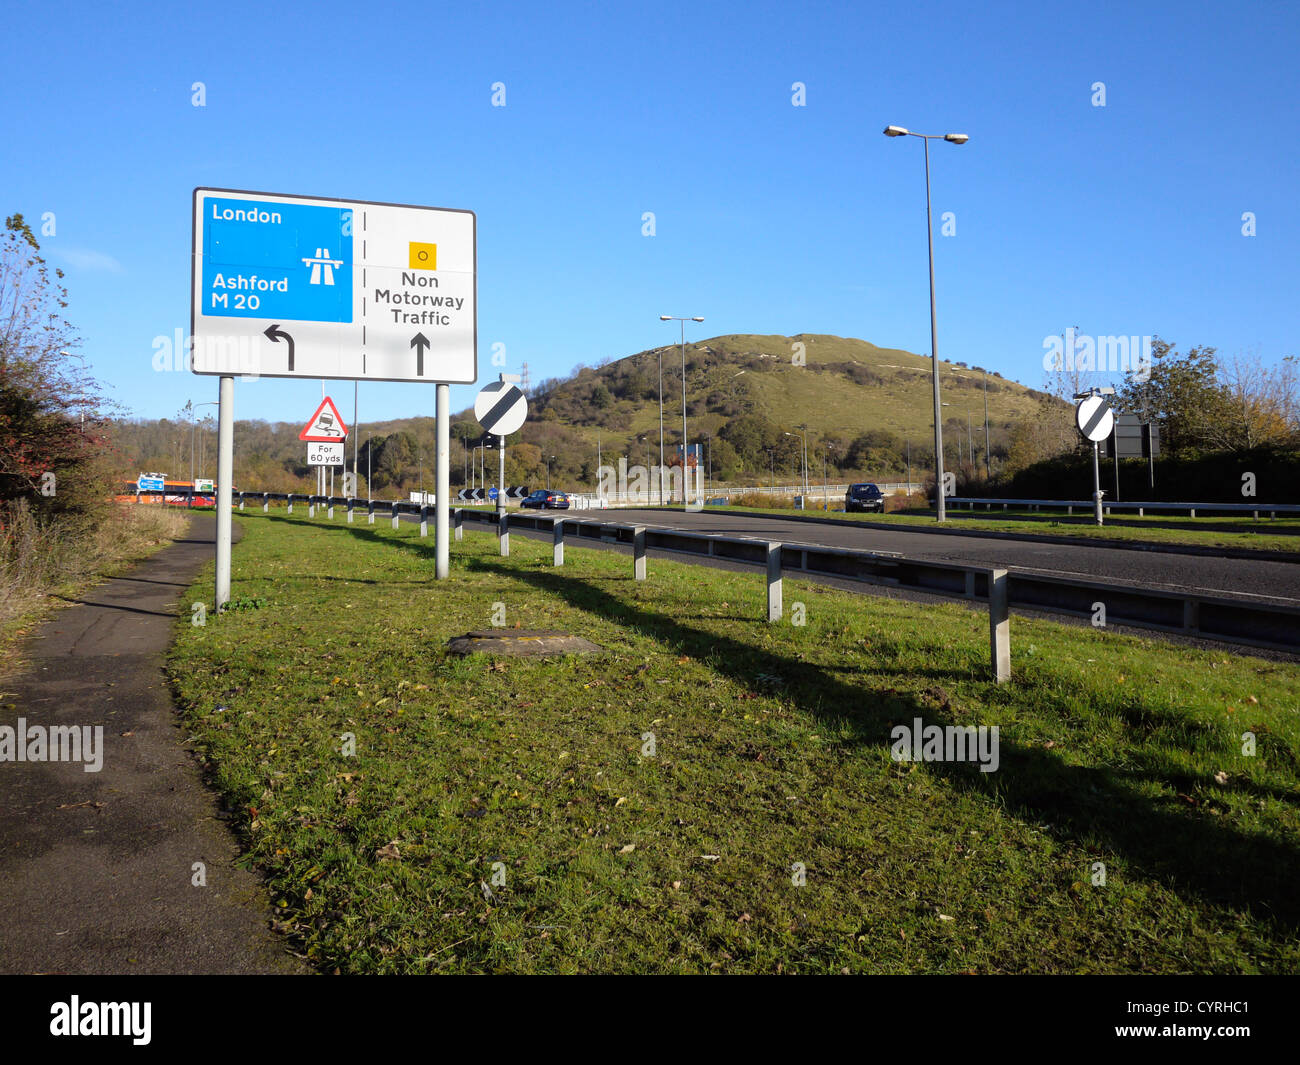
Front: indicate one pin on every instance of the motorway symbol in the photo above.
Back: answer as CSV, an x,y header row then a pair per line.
x,y
276,334
500,408
325,425
1094,418
349,286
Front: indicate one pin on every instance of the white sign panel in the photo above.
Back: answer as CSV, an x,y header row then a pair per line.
x,y
319,454
501,408
301,286
1094,418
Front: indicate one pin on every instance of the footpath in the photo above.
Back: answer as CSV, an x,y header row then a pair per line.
x,y
99,870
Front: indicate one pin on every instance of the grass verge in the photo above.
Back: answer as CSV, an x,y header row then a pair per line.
x,y
40,562
651,808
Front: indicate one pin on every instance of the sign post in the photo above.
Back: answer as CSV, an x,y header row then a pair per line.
x,y
313,287
1095,420
501,408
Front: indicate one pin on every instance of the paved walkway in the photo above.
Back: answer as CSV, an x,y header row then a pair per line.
x,y
96,869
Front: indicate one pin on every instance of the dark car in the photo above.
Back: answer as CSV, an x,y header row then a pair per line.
x,y
864,497
545,500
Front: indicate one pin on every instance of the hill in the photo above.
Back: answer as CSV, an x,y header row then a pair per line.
x,y
746,396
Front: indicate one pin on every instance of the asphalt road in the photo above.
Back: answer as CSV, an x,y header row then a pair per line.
x,y
1262,577
97,869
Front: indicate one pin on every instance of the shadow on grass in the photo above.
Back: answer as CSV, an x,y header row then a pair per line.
x,y
1090,806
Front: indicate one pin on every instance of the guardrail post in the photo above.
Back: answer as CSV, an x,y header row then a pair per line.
x,y
392,509
1191,615
557,538
370,511
289,500
241,500
1069,510
458,518
424,521
329,513
1192,512
266,502
774,603
999,626
638,552
503,532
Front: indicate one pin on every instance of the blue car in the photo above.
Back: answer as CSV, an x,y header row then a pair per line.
x,y
546,500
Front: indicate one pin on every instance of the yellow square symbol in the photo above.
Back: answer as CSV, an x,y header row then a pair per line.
x,y
424,256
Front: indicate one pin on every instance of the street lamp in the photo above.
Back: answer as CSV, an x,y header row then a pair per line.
x,y
951,138
672,318
804,453
193,426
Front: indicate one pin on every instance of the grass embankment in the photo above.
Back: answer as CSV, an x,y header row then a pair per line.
x,y
771,748
41,562
1265,535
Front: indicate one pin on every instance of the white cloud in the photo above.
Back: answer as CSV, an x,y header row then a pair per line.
x,y
88,259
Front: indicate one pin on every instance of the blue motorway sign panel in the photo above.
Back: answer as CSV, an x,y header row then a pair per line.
x,y
304,286
149,484
290,260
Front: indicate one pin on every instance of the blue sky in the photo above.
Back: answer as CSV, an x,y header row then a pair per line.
x,y
770,218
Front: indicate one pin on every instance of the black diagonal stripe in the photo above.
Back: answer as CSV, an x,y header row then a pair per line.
x,y
502,406
1097,418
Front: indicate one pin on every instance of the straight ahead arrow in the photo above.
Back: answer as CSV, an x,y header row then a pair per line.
x,y
275,334
419,342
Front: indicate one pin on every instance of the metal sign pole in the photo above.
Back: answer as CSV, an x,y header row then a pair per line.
x,y
501,477
442,480
225,471
1096,482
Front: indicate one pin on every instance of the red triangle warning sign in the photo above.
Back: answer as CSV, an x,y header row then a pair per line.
x,y
325,424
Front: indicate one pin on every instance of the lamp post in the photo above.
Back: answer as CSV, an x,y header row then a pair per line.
x,y
988,472
194,425
369,495
951,138
685,480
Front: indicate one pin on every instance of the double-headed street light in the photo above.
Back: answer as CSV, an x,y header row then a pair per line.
x,y
951,138
685,481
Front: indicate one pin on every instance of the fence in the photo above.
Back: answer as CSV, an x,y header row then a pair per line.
x,y
1068,505
1253,622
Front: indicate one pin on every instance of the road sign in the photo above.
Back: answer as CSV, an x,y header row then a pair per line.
x,y
146,483
1132,438
325,425
322,454
500,408
304,286
492,493
1094,418
201,485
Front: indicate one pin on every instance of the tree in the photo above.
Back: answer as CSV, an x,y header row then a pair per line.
x,y
51,425
1184,395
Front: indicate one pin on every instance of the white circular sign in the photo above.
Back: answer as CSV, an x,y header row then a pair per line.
x,y
1094,418
501,408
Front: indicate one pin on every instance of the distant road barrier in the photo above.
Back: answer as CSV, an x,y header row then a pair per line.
x,y
1068,505
1250,621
